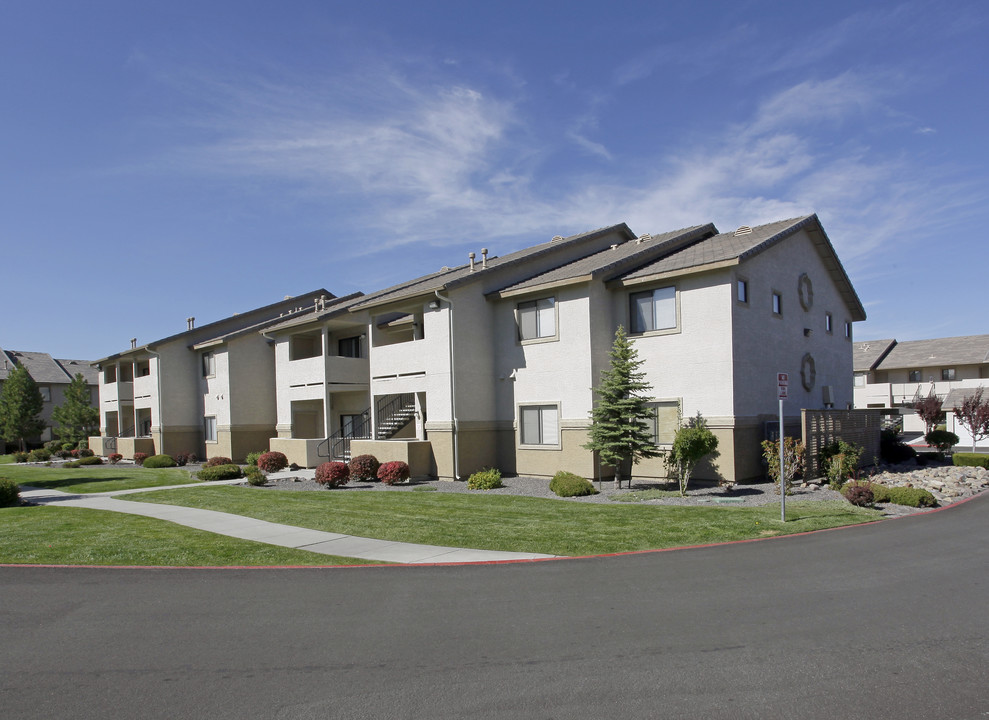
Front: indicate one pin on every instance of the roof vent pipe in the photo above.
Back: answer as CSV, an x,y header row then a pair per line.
x,y
133,343
484,258
191,322
471,256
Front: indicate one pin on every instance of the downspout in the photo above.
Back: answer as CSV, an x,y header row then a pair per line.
x,y
453,391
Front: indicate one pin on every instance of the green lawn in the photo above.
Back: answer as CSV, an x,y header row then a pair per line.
x,y
512,523
4,459
50,535
95,478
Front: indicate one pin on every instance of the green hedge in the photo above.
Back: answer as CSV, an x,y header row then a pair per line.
x,y
220,472
566,484
160,461
908,496
487,479
10,494
971,459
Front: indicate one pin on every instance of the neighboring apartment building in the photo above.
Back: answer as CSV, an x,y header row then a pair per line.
x,y
894,375
52,377
209,390
493,363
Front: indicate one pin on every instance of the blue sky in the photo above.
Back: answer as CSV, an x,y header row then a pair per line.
x,y
167,160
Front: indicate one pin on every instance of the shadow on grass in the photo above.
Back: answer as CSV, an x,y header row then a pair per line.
x,y
63,482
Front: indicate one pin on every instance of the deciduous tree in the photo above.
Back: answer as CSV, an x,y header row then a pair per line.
x,y
973,415
929,409
693,442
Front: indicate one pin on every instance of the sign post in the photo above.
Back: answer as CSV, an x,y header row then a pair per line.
x,y
782,382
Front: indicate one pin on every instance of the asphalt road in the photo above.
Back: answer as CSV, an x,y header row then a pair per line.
x,y
887,620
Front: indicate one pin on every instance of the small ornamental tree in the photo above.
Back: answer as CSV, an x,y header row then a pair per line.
x,y
929,409
20,406
693,443
973,415
619,430
76,419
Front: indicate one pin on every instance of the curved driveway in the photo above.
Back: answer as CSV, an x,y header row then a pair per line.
x,y
885,620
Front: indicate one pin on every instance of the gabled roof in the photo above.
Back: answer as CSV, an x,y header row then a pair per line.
x,y
41,366
867,355
450,278
735,247
71,367
251,317
339,306
964,350
611,261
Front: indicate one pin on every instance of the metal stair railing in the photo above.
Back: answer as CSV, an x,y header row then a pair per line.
x,y
393,415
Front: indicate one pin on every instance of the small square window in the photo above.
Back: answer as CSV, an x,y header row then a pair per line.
x,y
209,428
46,393
860,379
537,319
915,376
947,373
209,364
539,425
777,304
828,323
743,291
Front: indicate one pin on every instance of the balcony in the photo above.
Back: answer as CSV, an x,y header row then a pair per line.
x,y
408,358
118,392
896,394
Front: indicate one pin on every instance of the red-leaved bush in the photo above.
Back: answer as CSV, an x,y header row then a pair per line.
x,y
114,458
332,474
364,467
139,458
219,460
393,472
272,461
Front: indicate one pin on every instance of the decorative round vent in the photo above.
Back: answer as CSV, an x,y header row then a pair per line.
x,y
808,372
805,289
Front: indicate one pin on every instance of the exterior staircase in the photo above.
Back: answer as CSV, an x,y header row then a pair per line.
x,y
394,412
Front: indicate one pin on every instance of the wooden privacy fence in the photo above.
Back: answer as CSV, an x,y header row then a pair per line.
x,y
823,427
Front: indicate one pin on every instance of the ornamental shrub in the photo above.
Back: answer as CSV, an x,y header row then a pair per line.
x,y
271,462
10,494
892,449
566,484
963,459
160,461
332,474
487,479
53,446
252,457
63,454
858,493
911,497
254,476
364,467
114,458
218,460
88,460
182,458
942,440
393,472
39,455
212,473
839,460
86,452
20,457
793,461
68,446
139,458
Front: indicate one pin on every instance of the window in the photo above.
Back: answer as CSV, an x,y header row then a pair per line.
x,y
209,428
777,304
653,310
664,421
915,376
540,425
743,291
349,347
828,323
848,330
859,379
209,364
947,373
537,319
46,393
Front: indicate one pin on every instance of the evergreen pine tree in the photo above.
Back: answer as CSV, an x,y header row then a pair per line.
x,y
76,418
20,405
619,431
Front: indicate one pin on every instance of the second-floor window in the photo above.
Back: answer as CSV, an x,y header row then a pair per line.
x,y
537,319
209,364
860,379
653,310
915,376
46,393
777,304
349,347
947,373
828,323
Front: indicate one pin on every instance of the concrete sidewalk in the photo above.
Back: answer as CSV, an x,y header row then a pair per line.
x,y
246,528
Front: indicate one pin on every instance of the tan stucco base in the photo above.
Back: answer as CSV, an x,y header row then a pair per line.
x,y
236,442
127,446
417,454
175,440
301,451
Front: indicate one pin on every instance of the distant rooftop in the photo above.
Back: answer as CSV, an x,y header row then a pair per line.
x,y
938,352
